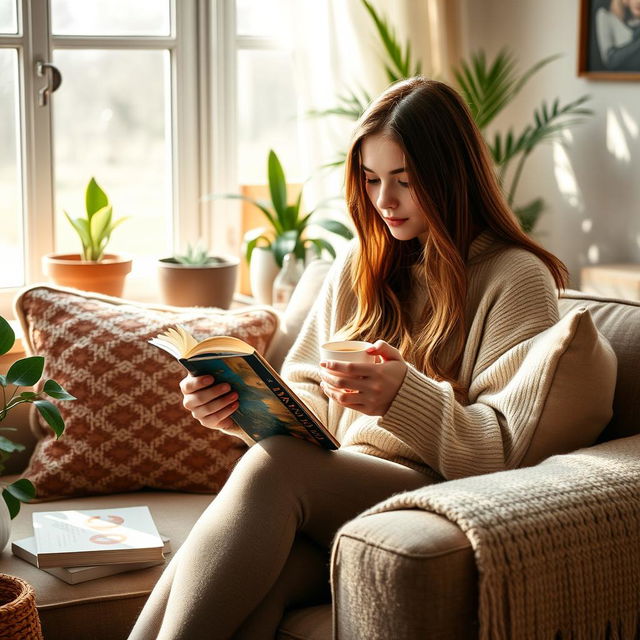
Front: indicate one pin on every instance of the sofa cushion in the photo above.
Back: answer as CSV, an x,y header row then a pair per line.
x,y
577,368
127,429
619,322
304,295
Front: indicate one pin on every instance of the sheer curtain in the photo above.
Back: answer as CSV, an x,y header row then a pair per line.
x,y
337,50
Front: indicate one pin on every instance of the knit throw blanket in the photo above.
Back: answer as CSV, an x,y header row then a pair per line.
x,y
557,545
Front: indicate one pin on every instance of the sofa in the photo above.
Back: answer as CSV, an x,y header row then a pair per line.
x,y
400,572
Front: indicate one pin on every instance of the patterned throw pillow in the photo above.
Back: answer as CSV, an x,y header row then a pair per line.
x,y
128,428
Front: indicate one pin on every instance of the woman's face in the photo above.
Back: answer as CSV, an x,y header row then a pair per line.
x,y
387,185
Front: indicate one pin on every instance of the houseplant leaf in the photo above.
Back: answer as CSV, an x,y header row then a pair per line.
x,y
319,244
52,415
22,490
273,220
9,446
7,336
528,215
99,230
81,225
252,240
277,187
53,389
26,371
283,244
13,504
335,226
95,198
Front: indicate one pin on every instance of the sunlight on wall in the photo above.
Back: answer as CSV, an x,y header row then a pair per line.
x,y
587,225
616,139
629,123
593,253
566,177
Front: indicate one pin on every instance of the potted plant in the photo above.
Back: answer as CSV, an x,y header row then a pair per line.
x,y
288,230
25,372
487,87
198,279
93,270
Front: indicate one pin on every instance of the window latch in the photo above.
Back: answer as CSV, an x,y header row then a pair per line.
x,y
54,80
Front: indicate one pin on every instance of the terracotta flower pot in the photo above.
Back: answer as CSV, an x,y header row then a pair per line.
x,y
18,614
186,285
70,270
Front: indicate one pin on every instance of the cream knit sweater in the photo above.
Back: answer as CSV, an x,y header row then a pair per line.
x,y
511,297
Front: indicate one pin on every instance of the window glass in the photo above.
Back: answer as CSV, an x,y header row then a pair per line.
x,y
267,115
11,214
266,18
112,122
8,16
110,17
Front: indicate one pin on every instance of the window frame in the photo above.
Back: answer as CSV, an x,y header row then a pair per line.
x,y
189,140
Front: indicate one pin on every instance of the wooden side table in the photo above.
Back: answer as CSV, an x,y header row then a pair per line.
x,y
613,280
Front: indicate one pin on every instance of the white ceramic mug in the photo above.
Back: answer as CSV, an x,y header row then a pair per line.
x,y
347,351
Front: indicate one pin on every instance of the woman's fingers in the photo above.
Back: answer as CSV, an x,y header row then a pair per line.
x,y
220,419
191,384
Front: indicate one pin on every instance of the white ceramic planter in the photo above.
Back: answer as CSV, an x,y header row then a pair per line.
x,y
5,524
262,272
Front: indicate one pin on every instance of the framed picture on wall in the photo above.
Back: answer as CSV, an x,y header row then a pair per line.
x,y
609,39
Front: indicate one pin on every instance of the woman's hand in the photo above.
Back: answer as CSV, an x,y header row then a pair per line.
x,y
212,404
368,388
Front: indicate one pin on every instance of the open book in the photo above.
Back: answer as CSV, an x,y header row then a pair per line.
x,y
267,406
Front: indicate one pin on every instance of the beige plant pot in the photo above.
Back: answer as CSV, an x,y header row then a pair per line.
x,y
186,285
70,270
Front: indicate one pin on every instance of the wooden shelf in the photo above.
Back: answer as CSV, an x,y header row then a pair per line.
x,y
613,280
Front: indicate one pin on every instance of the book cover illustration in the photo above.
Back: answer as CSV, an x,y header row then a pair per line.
x,y
267,407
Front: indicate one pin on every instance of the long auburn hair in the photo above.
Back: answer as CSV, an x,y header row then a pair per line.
x,y
452,179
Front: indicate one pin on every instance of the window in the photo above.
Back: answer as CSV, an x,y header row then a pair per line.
x,y
126,112
162,101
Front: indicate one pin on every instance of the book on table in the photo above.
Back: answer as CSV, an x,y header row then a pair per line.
x,y
75,538
25,549
267,405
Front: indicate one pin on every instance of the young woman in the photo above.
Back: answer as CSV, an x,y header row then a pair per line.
x,y
443,281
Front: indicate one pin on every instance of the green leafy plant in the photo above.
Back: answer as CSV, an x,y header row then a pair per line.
x,y
94,230
25,372
196,255
488,86
288,228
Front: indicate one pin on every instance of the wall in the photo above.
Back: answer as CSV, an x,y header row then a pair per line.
x,y
591,183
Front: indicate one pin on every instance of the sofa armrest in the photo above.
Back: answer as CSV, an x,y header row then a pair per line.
x,y
403,575
557,545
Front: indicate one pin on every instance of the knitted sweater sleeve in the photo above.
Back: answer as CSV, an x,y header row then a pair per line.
x,y
456,439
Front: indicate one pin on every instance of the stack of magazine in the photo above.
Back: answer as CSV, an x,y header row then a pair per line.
x,y
81,545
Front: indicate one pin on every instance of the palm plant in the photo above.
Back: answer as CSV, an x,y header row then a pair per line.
x,y
488,87
288,225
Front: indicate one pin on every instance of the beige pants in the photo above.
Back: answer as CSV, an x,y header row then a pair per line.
x,y
261,547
